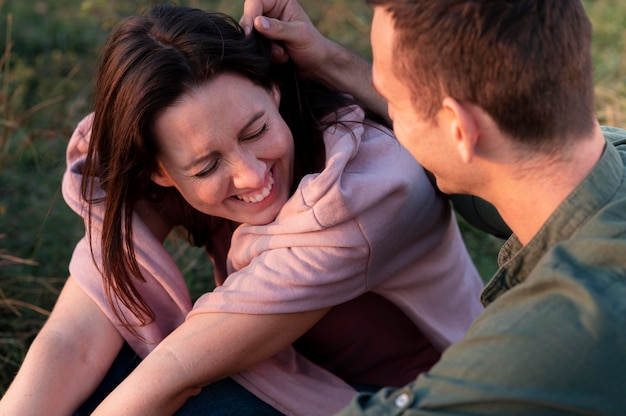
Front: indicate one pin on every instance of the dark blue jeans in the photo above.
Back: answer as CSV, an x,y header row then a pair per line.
x,y
223,398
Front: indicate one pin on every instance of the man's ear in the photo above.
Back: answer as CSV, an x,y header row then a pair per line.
x,y
161,179
464,128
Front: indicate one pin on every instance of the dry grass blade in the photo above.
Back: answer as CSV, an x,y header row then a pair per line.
x,y
13,303
9,259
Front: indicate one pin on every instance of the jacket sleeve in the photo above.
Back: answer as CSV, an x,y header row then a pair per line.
x,y
545,347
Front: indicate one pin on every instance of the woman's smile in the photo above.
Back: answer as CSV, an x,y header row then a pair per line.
x,y
261,194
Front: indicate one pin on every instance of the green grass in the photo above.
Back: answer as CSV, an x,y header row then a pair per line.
x,y
49,51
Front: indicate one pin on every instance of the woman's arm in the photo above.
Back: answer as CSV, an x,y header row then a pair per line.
x,y
66,361
317,56
206,348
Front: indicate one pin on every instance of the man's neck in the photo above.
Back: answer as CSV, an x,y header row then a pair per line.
x,y
526,198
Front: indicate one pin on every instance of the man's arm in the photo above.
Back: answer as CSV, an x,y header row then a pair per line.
x,y
66,361
315,55
548,346
204,349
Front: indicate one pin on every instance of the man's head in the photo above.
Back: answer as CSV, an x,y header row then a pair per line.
x,y
525,63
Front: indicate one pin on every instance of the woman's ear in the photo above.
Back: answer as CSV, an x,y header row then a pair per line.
x,y
464,129
275,93
160,178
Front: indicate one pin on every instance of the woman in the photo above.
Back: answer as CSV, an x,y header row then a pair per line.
x,y
338,266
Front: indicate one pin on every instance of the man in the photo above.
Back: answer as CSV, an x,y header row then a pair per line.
x,y
495,98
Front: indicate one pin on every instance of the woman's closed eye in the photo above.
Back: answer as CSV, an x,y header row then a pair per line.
x,y
215,163
256,135
208,170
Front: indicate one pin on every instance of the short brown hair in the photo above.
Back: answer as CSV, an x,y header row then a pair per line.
x,y
527,63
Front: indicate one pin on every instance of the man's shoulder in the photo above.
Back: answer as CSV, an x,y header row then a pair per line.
x,y
614,135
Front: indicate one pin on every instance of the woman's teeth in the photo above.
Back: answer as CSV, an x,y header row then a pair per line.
x,y
263,193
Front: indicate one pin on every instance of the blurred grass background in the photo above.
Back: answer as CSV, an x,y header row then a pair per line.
x,y
49,52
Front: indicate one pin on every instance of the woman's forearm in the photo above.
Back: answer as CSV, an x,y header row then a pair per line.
x,y
67,359
51,381
206,348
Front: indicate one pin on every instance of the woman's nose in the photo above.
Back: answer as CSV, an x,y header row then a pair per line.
x,y
249,173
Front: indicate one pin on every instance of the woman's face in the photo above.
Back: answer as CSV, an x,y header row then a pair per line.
x,y
227,150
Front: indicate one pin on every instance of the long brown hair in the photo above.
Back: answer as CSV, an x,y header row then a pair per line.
x,y
147,63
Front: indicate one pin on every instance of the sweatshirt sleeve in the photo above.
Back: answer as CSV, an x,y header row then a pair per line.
x,y
365,223
289,382
368,222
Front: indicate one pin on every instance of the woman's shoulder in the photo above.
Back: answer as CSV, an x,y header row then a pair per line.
x,y
75,155
358,148
79,141
365,167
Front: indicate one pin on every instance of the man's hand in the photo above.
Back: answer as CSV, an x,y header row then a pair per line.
x,y
316,56
285,21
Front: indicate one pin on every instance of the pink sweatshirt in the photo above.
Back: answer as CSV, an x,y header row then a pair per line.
x,y
369,222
